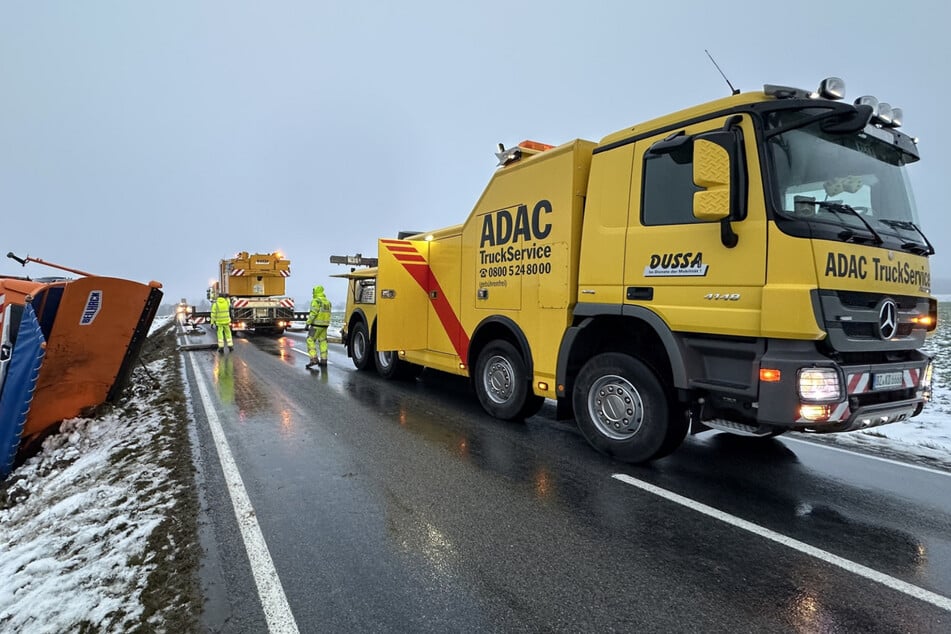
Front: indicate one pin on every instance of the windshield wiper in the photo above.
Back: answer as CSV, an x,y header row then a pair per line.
x,y
915,247
842,208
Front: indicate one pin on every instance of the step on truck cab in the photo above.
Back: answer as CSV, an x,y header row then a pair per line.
x,y
754,264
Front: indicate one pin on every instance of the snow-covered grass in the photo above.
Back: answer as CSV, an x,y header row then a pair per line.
x,y
97,533
91,526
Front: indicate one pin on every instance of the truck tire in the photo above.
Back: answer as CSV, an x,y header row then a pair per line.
x,y
502,384
386,362
678,425
390,366
360,347
622,409
533,405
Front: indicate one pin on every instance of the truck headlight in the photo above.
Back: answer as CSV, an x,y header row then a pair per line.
x,y
819,385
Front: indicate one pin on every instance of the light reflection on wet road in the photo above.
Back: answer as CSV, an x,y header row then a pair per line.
x,y
402,507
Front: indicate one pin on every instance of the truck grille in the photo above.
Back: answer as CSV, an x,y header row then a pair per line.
x,y
853,321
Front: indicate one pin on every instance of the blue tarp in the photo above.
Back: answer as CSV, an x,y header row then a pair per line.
x,y
19,385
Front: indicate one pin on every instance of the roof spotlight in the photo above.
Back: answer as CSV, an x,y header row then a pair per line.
x,y
885,114
898,117
868,100
832,88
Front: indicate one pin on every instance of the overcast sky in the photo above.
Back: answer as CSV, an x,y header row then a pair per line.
x,y
148,140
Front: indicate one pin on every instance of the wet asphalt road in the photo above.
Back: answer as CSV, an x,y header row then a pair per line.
x,y
402,507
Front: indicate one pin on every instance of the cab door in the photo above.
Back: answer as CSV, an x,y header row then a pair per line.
x,y
690,271
402,299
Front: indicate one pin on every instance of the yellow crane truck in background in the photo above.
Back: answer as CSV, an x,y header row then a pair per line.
x,y
255,283
753,265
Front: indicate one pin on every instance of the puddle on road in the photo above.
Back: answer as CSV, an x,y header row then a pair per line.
x,y
237,387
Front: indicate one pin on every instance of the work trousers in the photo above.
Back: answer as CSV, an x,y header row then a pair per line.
x,y
224,335
317,335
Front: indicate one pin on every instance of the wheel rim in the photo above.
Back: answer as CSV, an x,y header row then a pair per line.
x,y
359,346
616,407
385,359
498,379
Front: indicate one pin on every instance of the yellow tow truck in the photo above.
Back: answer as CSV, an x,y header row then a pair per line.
x,y
754,264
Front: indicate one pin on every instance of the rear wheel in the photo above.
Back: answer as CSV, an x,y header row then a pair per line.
x,y
386,362
390,366
501,382
360,347
623,411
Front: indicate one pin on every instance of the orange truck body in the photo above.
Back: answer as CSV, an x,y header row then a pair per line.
x,y
94,328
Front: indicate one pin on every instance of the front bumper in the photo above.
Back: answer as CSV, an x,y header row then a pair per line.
x,y
862,404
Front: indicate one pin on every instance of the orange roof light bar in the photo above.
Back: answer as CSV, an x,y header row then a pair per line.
x,y
535,145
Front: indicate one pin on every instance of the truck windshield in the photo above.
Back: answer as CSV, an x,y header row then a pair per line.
x,y
850,187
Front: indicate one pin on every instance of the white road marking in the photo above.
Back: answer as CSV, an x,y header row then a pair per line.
x,y
850,566
306,354
276,609
869,456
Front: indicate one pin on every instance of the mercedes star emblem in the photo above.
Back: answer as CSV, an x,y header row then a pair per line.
x,y
888,319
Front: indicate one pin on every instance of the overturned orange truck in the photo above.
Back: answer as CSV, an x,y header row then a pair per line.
x,y
66,345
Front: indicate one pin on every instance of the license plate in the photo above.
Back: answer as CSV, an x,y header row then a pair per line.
x,y
887,380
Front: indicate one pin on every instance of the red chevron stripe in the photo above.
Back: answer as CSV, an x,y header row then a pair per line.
x,y
420,271
407,257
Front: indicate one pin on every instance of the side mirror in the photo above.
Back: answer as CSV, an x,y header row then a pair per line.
x,y
717,170
711,171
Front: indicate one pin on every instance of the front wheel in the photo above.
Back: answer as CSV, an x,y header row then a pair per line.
x,y
501,382
622,410
360,347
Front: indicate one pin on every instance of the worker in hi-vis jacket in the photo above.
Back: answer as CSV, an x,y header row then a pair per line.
x,y
221,318
317,321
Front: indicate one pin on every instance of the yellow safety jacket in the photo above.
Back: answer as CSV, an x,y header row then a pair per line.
x,y
221,312
319,311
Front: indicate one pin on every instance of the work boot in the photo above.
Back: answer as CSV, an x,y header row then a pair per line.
x,y
312,363
221,350
322,363
230,347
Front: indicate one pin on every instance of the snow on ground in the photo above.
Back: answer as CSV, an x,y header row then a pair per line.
x,y
77,520
80,521
75,524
